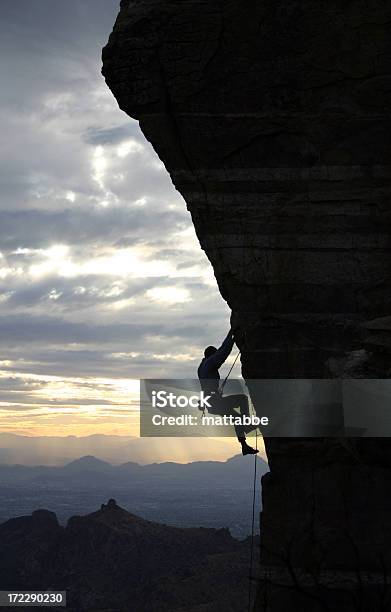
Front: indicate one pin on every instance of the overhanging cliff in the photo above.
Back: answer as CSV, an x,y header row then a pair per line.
x,y
273,120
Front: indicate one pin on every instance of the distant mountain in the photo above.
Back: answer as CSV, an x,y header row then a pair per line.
x,y
58,450
89,464
114,560
90,472
208,493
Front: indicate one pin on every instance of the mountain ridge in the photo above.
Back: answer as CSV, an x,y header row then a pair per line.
x,y
116,449
111,559
208,493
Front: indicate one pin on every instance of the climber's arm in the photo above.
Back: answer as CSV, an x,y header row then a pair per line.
x,y
223,351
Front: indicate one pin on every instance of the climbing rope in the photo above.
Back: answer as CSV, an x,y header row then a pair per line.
x,y
228,375
250,576
224,382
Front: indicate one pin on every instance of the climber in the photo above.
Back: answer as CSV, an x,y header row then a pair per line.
x,y
208,374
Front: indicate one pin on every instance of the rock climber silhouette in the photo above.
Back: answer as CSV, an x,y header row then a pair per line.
x,y
209,377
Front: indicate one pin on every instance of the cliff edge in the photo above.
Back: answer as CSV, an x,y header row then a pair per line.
x,y
273,120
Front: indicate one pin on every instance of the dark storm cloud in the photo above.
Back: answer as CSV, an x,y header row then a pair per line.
x,y
45,43
15,383
48,330
19,408
68,296
108,226
17,330
111,136
31,400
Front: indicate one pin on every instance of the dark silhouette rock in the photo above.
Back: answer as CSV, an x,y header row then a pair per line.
x,y
273,120
114,560
29,547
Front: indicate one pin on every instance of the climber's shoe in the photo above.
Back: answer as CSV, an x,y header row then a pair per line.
x,y
249,450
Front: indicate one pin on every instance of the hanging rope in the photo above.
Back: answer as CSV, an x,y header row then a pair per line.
x,y
228,375
250,576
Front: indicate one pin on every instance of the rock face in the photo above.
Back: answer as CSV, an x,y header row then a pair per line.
x,y
273,120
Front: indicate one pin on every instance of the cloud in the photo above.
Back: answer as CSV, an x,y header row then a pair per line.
x,y
101,274
98,136
119,224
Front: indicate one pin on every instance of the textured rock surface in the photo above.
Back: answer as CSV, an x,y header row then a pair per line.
x,y
273,119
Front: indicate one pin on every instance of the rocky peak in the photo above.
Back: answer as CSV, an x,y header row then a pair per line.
x,y
111,559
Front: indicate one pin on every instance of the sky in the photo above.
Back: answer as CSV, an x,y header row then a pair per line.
x,y
102,279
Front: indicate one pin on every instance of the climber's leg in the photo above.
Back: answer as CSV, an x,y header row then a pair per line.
x,y
244,410
226,406
246,448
